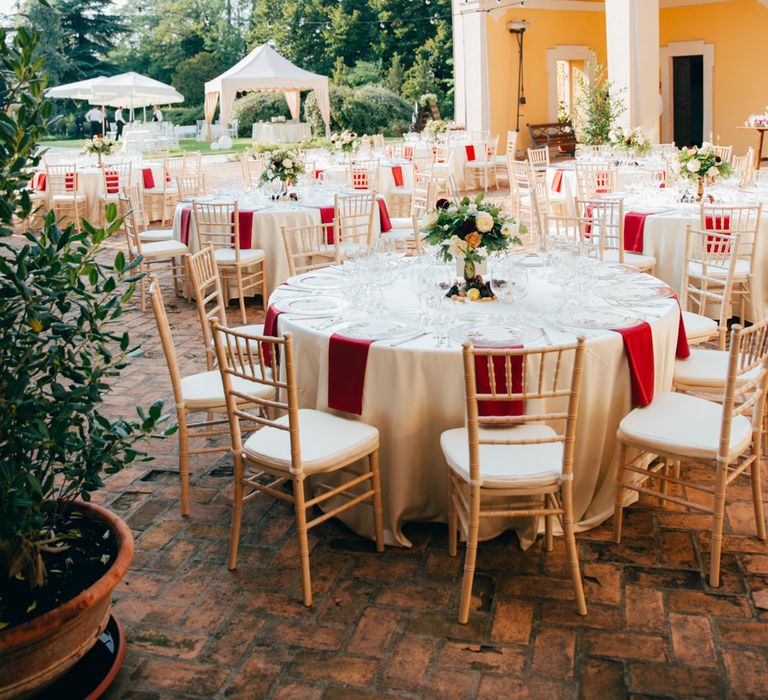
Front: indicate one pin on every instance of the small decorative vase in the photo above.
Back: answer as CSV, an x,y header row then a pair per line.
x,y
699,189
469,271
98,156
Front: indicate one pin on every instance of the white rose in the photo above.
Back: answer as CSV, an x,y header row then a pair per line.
x,y
484,222
693,166
287,163
270,173
456,246
428,220
472,208
713,172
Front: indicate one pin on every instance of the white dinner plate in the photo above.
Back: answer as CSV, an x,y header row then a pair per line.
x,y
497,334
599,319
376,329
312,305
606,271
629,293
319,281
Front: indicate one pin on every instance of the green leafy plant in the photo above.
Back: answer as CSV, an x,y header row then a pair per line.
x,y
60,348
598,106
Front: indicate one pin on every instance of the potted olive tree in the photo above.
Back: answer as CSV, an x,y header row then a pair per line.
x,y
60,303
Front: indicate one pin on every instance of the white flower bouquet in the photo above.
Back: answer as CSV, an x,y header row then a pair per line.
x,y
283,166
634,142
435,128
346,141
702,162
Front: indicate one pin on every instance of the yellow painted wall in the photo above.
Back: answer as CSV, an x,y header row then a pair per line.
x,y
548,28
739,31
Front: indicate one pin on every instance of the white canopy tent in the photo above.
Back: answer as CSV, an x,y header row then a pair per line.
x,y
265,70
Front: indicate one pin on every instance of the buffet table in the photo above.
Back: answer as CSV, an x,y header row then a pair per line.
x,y
413,390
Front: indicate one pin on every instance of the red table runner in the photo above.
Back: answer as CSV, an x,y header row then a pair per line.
x,y
483,384
397,174
638,347
270,329
634,230
682,351
148,178
245,218
38,182
347,361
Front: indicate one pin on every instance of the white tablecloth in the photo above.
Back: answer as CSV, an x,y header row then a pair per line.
x,y
459,160
338,175
287,132
415,391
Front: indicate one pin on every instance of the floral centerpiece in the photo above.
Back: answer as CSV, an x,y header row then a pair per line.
x,y
100,145
435,128
346,141
282,166
470,230
697,163
634,142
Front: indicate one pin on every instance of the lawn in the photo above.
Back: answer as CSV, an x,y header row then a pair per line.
x,y
184,145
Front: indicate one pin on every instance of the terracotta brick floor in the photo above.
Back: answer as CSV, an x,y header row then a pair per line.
x,y
384,625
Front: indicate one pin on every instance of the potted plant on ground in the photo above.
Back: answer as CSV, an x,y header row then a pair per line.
x,y
60,557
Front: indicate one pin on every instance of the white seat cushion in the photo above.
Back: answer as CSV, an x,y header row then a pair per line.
x,y
642,262
401,221
707,369
401,191
63,198
226,256
682,424
155,235
327,442
109,197
507,466
740,273
170,189
163,249
204,390
698,327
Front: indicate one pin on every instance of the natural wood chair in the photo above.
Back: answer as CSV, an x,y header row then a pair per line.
x,y
594,178
408,234
190,186
399,150
569,230
744,168
539,158
141,220
166,193
353,230
115,178
422,162
202,392
605,217
65,199
744,221
725,152
293,444
218,225
689,432
192,164
209,298
482,170
157,257
307,248
707,285
252,167
527,455
363,174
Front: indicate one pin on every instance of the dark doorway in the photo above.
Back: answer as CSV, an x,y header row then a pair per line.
x,y
688,90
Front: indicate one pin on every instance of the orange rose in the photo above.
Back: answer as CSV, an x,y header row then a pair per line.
x,y
473,239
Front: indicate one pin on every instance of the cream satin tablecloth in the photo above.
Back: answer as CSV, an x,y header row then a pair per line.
x,y
415,391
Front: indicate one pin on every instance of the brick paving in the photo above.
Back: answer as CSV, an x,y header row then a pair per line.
x,y
384,625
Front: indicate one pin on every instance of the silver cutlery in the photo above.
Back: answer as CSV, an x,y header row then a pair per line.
x,y
408,339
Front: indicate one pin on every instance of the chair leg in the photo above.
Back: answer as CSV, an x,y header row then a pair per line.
x,y
184,461
143,291
757,495
717,525
264,300
548,530
618,510
237,510
241,293
470,559
373,460
453,519
573,552
301,531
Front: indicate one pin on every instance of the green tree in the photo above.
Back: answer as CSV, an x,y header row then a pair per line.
x,y
598,107
90,29
51,44
396,74
191,74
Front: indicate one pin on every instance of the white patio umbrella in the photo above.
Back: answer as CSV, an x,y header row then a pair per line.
x,y
133,90
81,90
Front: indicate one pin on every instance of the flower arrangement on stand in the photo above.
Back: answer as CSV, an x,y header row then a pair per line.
x,y
634,142
100,145
282,168
470,230
435,128
346,141
698,163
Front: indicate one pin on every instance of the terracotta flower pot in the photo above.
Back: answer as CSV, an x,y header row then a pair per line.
x,y
36,653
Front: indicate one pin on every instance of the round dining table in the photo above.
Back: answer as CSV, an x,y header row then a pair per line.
x,y
410,384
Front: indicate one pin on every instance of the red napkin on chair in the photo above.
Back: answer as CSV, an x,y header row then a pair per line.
x,y
347,360
360,181
186,217
483,384
470,150
408,152
386,224
245,218
602,183
270,329
638,347
148,178
70,181
113,181
38,182
326,217
397,174
720,224
682,351
318,173
557,180
634,229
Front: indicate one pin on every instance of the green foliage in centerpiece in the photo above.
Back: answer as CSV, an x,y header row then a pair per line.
x,y
283,165
99,145
470,229
346,141
634,142
700,162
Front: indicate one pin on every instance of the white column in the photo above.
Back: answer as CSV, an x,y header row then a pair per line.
x,y
632,28
472,99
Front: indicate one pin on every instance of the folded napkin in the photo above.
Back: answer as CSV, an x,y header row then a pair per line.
x,y
638,347
347,360
326,217
186,217
148,178
557,180
602,183
634,229
112,180
318,173
682,351
245,219
270,329
719,224
470,151
360,181
70,182
483,384
386,223
397,174
38,182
